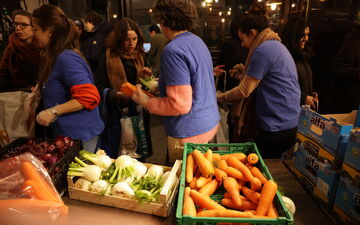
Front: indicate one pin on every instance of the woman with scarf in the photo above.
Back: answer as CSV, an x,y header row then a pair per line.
x,y
270,78
123,62
65,80
295,36
20,61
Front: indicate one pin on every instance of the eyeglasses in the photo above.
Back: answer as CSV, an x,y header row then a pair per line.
x,y
22,25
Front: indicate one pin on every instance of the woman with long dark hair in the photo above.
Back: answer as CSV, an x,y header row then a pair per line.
x,y
65,80
124,61
295,36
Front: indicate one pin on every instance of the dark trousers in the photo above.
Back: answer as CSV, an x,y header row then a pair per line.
x,y
273,144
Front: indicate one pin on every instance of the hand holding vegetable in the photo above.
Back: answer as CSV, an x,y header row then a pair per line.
x,y
140,97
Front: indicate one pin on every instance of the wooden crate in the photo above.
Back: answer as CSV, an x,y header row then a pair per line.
x,y
162,208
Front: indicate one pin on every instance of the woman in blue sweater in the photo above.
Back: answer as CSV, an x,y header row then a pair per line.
x,y
65,80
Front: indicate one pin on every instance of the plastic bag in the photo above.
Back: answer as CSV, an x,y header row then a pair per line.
x,y
133,136
27,195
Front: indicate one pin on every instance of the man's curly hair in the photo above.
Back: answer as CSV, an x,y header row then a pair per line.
x,y
176,15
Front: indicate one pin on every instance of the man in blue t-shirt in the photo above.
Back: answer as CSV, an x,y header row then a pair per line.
x,y
271,71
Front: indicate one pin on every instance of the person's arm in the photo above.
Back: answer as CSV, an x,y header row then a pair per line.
x,y
177,102
343,67
258,66
49,115
75,75
243,90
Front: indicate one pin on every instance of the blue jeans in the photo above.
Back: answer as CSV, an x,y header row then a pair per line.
x,y
91,144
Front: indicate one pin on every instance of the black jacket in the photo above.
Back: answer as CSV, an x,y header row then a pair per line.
x,y
344,89
92,43
304,73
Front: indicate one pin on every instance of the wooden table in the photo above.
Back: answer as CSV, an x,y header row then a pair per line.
x,y
307,212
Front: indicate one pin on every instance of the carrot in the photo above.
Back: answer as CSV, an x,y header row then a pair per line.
x,y
232,187
252,158
251,195
267,196
240,156
272,212
232,172
31,173
250,211
32,205
257,173
245,204
192,185
224,213
234,162
241,183
223,165
189,205
206,167
39,192
201,181
227,195
210,187
209,155
216,157
128,89
190,167
204,201
248,165
256,184
220,175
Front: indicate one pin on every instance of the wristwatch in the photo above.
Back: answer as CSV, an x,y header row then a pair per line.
x,y
54,111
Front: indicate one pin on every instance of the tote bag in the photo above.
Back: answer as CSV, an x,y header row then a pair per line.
x,y
15,122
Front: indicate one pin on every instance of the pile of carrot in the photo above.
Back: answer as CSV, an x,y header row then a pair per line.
x,y
249,194
41,196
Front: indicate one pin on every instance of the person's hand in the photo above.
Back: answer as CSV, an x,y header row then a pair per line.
x,y
218,70
220,96
237,71
146,71
46,117
315,95
310,100
140,97
121,97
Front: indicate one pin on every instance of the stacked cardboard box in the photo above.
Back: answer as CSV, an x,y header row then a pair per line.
x,y
347,201
322,143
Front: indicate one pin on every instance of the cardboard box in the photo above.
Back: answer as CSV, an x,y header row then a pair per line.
x,y
348,199
344,218
317,175
321,152
352,155
326,130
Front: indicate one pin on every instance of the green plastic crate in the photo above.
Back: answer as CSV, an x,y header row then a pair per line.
x,y
285,217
